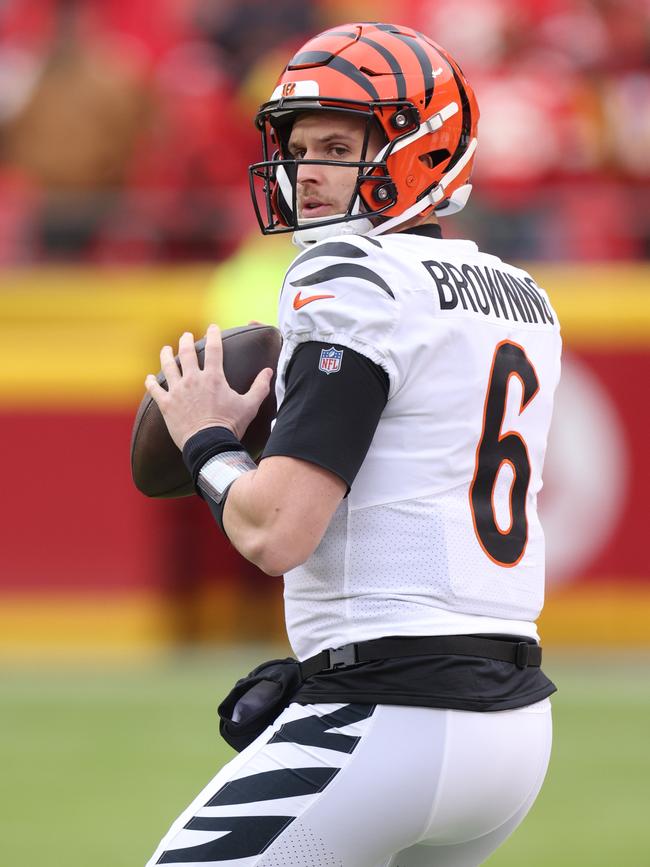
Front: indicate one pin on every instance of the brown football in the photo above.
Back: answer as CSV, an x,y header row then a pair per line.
x,y
156,463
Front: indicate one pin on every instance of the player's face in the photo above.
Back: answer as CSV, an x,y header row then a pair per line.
x,y
326,190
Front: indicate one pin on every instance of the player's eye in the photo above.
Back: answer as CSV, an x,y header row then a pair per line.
x,y
339,151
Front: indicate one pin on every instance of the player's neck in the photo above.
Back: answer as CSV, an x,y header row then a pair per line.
x,y
418,220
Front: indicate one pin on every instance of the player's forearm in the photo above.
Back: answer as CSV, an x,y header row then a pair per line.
x,y
256,519
276,515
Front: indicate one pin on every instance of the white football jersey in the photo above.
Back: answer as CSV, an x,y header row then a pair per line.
x,y
439,534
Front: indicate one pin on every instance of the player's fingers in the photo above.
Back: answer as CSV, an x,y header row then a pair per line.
x,y
187,353
154,388
168,365
260,387
213,362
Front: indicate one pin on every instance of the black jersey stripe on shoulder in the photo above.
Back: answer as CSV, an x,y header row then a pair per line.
x,y
343,269
334,248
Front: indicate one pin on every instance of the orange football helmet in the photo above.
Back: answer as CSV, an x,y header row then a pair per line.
x,y
399,80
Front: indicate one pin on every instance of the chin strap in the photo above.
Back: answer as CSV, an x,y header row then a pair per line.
x,y
304,238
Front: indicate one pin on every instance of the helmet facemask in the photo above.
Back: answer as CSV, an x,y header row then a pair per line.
x,y
273,181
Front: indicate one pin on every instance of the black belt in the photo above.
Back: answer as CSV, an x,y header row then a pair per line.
x,y
519,653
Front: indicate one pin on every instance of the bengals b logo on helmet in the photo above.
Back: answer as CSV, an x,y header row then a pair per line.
x,y
288,89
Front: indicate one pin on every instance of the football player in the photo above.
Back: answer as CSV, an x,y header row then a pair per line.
x,y
398,490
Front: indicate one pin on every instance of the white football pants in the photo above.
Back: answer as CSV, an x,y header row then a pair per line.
x,y
357,785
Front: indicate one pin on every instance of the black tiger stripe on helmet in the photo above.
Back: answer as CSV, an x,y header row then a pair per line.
x,y
466,123
421,55
323,58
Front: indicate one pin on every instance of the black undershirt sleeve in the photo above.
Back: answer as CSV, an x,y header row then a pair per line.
x,y
329,419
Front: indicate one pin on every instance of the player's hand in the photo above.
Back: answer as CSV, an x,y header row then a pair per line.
x,y
202,398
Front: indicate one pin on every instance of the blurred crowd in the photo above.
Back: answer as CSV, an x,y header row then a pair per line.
x,y
126,126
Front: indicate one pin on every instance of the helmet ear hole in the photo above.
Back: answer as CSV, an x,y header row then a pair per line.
x,y
435,157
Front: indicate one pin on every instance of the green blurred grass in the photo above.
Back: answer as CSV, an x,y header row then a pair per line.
x,y
97,760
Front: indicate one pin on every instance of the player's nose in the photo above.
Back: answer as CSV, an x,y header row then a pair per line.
x,y
308,173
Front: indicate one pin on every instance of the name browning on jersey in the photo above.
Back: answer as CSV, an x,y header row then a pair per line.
x,y
489,291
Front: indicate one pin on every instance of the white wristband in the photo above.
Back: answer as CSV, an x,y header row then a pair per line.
x,y
219,472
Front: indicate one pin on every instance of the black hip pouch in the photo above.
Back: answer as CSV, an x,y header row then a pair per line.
x,y
257,700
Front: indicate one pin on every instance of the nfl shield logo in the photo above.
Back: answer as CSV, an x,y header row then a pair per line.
x,y
330,360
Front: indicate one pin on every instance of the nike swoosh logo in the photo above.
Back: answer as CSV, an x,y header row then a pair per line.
x,y
299,302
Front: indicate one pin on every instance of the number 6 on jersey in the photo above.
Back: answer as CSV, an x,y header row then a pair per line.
x,y
504,547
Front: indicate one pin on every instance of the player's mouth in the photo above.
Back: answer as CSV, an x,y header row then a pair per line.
x,y
314,208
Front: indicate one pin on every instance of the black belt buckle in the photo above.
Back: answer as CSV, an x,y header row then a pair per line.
x,y
521,654
339,657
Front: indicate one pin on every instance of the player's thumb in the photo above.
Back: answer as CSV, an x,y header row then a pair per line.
x,y
260,387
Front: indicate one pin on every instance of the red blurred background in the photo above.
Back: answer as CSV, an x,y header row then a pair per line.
x,y
126,132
